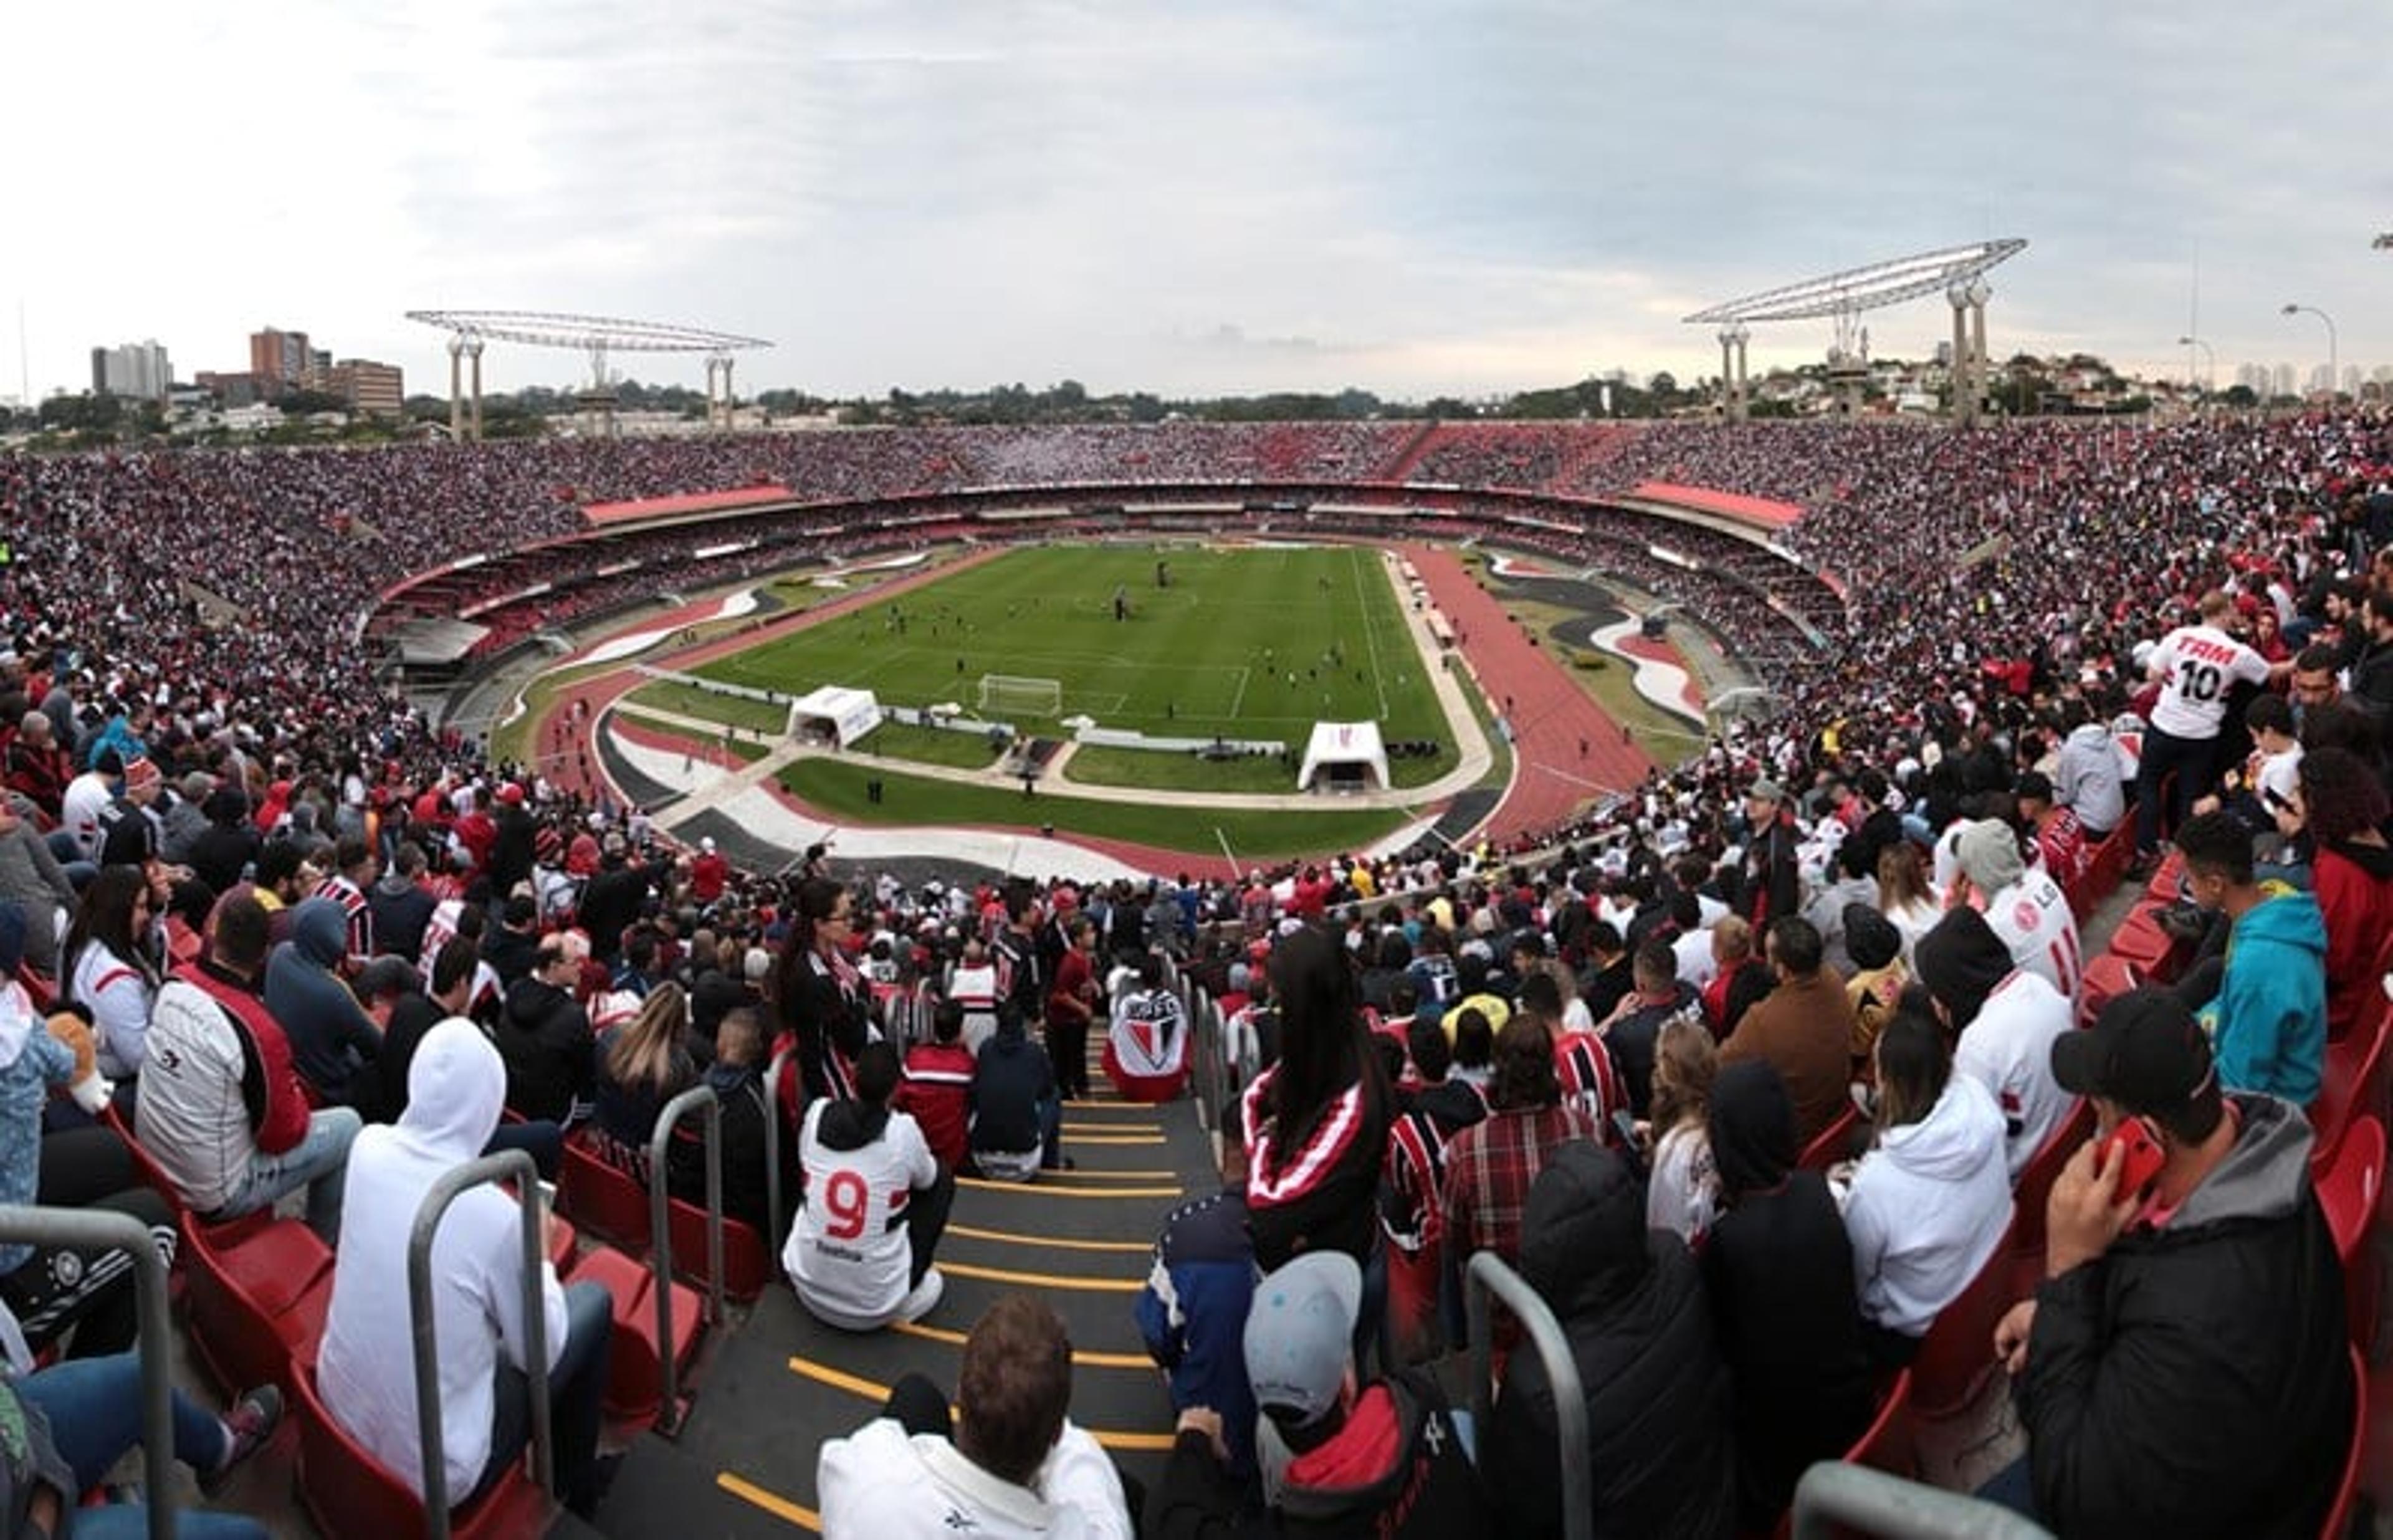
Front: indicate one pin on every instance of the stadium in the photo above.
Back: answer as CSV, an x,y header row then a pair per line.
x,y
1220,684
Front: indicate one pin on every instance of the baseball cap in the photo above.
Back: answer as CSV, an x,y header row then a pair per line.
x,y
511,794
1300,1334
707,844
2145,1052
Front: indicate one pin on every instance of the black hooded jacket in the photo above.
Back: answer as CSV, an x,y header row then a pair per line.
x,y
1657,1397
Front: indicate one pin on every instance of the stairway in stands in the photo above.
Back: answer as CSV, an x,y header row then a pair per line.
x,y
1410,455
784,1383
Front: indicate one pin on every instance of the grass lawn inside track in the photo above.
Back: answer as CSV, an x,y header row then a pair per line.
x,y
836,788
1244,643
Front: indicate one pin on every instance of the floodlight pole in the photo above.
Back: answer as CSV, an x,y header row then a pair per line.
x,y
2334,374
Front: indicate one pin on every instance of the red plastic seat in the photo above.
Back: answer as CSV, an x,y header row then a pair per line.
x,y
2350,1088
2348,1191
746,1267
2140,941
1830,1144
2033,1189
634,1390
1956,1357
2107,977
601,1199
257,1304
349,1491
1883,1445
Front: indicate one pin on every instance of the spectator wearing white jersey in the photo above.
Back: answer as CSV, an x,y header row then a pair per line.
x,y
2022,904
2197,665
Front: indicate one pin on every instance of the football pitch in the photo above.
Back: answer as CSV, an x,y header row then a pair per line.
x,y
1255,644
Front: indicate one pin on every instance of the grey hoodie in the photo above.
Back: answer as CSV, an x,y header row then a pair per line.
x,y
2086,780
331,1033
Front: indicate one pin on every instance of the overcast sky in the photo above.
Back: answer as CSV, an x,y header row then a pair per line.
x,y
1226,196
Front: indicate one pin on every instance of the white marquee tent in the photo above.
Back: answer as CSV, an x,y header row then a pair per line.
x,y
1346,751
846,714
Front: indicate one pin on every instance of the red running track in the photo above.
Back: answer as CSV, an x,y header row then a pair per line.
x,y
1551,717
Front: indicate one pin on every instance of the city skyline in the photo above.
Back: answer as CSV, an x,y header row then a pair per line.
x,y
1410,198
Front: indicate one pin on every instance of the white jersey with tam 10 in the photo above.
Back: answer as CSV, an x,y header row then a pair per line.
x,y
2197,667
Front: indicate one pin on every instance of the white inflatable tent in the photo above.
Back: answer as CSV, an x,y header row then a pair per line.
x,y
847,714
1346,752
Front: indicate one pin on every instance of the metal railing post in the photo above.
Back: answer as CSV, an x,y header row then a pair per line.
x,y
513,1166
773,1210
104,1230
1490,1275
1833,1494
700,1098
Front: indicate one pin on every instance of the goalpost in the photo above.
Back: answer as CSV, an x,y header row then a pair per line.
x,y
1021,695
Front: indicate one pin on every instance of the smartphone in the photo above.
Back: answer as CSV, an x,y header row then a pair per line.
x,y
1624,1126
2143,1156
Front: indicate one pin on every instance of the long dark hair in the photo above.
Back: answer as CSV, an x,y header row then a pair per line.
x,y
818,900
1322,1039
1912,1067
106,915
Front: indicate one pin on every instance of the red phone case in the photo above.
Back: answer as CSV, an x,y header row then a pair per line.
x,y
2144,1156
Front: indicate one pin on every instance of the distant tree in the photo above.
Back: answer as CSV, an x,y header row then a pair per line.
x,y
303,403
2241,397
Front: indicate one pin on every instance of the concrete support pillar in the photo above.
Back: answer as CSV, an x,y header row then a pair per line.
x,y
1744,383
1965,395
474,351
713,415
730,399
1978,371
1728,374
456,390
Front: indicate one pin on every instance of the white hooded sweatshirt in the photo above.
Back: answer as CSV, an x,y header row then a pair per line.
x,y
366,1371
1927,1207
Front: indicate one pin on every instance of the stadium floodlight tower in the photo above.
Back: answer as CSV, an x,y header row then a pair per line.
x,y
594,335
1958,271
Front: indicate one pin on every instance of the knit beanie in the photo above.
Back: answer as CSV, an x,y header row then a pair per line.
x,y
1871,939
1988,855
1961,960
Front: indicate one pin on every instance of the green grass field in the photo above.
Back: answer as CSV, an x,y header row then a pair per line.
x,y
1255,645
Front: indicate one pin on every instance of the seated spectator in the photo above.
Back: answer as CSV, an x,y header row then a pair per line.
x,y
2007,1018
1192,1316
1017,1117
544,1039
74,1422
2181,1369
736,1077
1903,893
2343,807
641,1066
938,1086
1680,1193
1490,1164
2060,842
331,1037
1631,1305
872,1204
1779,1271
1854,884
2268,1016
1147,1043
2025,906
1341,1457
222,1110
1804,1026
399,906
973,986
112,959
1634,1027
1932,1200
31,879
366,1370
2086,780
1731,944
1877,952
1008,1462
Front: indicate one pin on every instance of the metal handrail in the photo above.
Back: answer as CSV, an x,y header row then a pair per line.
x,y
1205,1054
773,1210
103,1229
1833,1496
1490,1275
513,1166
700,1098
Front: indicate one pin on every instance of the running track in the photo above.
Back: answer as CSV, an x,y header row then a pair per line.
x,y
1550,715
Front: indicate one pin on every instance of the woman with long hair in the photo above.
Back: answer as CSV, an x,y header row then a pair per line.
x,y
1904,894
1315,1123
111,965
820,1000
1932,1200
1680,1195
2341,802
642,1065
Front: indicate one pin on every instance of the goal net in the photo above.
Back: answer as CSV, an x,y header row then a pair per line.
x,y
1020,695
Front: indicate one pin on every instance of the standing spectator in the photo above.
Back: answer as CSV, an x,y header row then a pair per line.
x,y
1071,1006
1779,1271
221,1108
1490,1164
110,960
1631,1306
937,1091
872,1205
1412,1198
1015,951
1773,882
1932,1200
822,1000
2268,1017
1637,1025
1009,1462
1147,1043
1805,1027
544,1039
2181,1369
365,1368
332,1039
709,873
2007,1018
2197,665
1681,1193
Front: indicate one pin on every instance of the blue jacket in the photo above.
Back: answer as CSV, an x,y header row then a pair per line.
x,y
2270,1014
40,1062
331,1033
1192,1315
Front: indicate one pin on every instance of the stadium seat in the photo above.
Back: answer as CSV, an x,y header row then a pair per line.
x,y
634,1391
2107,977
347,1490
255,1306
602,1200
746,1267
2140,943
1832,1143
2350,1087
2034,1188
1883,1445
2348,1191
2347,1492
1956,1357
